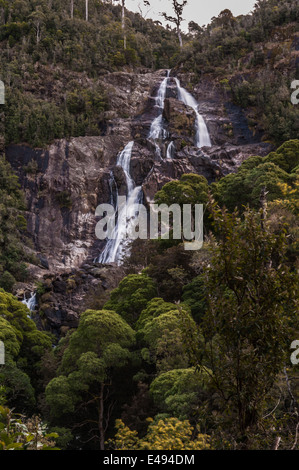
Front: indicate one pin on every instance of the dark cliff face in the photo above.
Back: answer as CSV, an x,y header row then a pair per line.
x,y
65,182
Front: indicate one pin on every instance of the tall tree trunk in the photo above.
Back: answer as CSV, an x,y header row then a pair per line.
x,y
37,33
263,203
86,10
72,9
180,37
123,23
101,418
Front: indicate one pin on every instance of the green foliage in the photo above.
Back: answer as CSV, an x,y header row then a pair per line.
x,y
251,57
20,433
24,347
194,296
7,281
177,392
154,308
131,296
285,157
64,199
251,314
17,385
244,187
166,434
190,189
99,346
12,204
9,338
159,330
43,101
103,333
171,271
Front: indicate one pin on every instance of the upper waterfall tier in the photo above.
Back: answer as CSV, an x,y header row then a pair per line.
x,y
202,133
117,248
157,130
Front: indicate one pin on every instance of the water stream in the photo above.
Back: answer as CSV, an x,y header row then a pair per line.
x,y
202,138
31,302
117,247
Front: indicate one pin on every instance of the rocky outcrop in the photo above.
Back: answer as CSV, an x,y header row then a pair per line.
x,y
65,182
61,298
180,120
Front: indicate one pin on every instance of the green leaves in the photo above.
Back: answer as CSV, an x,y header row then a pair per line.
x,y
16,433
132,296
244,187
177,391
60,397
190,189
99,345
251,310
12,203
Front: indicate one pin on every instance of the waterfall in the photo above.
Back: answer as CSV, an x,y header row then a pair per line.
x,y
157,130
170,151
202,133
116,248
31,302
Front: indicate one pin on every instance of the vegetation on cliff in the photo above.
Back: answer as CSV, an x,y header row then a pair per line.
x,y
191,351
254,59
52,64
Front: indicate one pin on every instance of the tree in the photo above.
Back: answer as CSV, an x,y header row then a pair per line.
x,y
97,348
12,227
37,18
24,347
273,171
178,18
166,434
194,28
132,296
177,392
224,19
32,342
20,433
86,10
123,21
251,312
72,9
194,296
159,332
191,189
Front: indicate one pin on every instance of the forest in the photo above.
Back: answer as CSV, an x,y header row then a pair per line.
x,y
184,350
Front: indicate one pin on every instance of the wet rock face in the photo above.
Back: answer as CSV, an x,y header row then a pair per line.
x,y
65,182
180,120
62,298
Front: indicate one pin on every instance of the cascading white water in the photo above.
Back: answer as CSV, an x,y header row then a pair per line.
x,y
116,248
170,151
31,302
202,133
157,130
